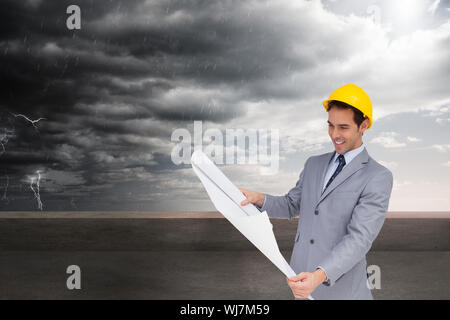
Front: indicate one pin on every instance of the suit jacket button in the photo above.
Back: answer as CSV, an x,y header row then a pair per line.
x,y
316,212
311,241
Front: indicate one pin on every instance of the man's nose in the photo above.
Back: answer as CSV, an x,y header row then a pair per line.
x,y
335,135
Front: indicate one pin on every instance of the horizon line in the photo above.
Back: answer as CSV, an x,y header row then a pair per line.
x,y
128,214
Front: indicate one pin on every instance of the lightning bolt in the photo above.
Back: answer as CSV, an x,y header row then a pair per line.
x,y
36,194
34,180
29,120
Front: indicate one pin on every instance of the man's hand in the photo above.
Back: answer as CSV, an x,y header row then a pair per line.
x,y
252,197
303,284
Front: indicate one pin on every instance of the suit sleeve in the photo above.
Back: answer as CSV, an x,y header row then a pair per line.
x,y
366,222
287,206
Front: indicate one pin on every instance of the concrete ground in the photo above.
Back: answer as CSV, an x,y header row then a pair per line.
x,y
153,258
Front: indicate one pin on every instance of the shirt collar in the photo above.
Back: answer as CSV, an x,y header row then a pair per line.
x,y
349,155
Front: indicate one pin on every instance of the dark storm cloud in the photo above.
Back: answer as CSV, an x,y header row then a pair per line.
x,y
204,42
112,92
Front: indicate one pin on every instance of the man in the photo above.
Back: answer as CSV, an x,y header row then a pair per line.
x,y
341,199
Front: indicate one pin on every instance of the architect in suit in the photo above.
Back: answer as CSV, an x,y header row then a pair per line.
x,y
341,199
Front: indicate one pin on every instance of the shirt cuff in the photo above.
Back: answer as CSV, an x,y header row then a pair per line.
x,y
264,203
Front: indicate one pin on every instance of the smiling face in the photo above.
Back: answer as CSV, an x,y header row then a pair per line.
x,y
344,131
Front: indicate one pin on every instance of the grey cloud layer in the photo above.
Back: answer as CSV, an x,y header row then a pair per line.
x,y
112,92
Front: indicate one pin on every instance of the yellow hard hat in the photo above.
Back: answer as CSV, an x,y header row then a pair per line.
x,y
354,96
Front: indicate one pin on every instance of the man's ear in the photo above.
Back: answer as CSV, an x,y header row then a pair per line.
x,y
364,125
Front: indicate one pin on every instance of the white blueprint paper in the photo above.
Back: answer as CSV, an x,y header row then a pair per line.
x,y
252,223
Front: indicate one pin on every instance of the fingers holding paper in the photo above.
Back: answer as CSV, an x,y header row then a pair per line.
x,y
252,197
303,284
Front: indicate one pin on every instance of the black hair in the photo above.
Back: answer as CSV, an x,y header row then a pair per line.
x,y
358,116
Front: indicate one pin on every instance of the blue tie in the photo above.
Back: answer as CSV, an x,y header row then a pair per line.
x,y
338,169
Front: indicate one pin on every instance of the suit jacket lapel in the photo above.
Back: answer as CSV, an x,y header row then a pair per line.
x,y
357,163
323,170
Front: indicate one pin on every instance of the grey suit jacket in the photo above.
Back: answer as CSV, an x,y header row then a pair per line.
x,y
336,229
